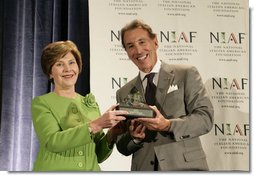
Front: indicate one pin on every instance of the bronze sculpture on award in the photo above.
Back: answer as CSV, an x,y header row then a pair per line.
x,y
135,105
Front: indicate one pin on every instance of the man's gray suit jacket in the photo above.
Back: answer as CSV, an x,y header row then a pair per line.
x,y
181,97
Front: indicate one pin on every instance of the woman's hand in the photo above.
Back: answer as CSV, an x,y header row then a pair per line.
x,y
108,120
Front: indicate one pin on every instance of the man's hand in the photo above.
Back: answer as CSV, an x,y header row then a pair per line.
x,y
137,130
116,130
159,123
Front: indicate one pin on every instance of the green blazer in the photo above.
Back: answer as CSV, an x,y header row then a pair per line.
x,y
65,143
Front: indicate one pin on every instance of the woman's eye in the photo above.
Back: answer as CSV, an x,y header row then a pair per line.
x,y
72,62
59,64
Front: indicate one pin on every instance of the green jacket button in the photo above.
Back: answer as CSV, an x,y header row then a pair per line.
x,y
80,152
80,164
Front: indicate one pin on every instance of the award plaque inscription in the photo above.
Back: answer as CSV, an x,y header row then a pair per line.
x,y
137,111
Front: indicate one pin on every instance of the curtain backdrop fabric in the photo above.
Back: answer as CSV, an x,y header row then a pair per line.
x,y
26,26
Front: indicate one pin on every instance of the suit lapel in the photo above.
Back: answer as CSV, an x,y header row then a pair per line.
x,y
166,78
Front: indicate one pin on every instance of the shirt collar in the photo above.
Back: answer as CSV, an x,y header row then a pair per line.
x,y
155,69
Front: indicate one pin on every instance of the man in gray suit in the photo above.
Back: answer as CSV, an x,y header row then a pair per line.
x,y
169,141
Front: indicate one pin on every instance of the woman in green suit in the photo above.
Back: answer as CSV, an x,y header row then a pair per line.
x,y
69,126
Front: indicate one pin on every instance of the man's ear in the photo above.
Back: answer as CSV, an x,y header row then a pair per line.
x,y
156,42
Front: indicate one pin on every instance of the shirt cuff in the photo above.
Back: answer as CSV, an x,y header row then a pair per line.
x,y
136,141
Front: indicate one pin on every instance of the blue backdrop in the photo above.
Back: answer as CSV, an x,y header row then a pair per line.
x,y
26,26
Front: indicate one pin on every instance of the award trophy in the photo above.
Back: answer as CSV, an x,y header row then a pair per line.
x,y
133,103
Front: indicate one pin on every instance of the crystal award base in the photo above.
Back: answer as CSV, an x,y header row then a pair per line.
x,y
137,111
